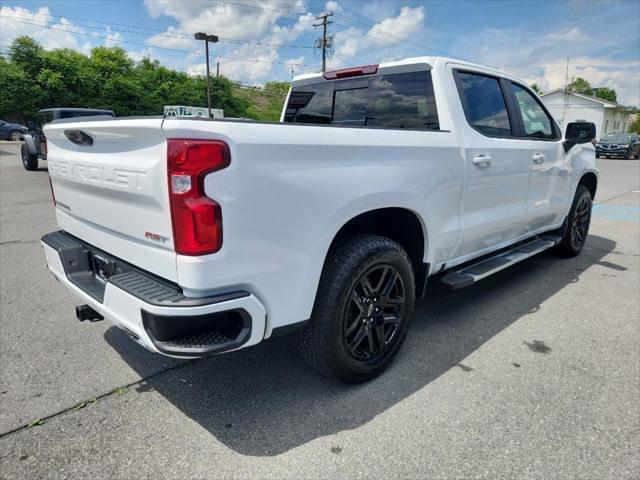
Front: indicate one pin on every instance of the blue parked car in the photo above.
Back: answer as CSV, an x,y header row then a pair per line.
x,y
11,131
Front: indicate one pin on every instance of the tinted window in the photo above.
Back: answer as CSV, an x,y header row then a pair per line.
x,y
537,123
80,113
44,118
350,106
485,106
402,100
310,104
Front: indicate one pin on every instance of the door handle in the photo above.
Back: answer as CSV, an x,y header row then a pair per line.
x,y
482,161
538,158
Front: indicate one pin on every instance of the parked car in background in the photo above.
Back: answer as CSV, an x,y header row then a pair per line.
x,y
11,131
35,143
618,144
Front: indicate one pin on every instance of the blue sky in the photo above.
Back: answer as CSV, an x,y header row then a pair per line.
x,y
264,40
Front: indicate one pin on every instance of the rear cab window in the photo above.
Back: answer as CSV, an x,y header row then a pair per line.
x,y
393,101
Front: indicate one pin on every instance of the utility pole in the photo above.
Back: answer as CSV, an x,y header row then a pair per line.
x,y
213,39
324,42
566,85
217,69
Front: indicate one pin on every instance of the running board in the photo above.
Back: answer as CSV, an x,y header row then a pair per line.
x,y
473,273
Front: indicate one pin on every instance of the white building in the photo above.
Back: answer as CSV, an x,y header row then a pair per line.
x,y
571,107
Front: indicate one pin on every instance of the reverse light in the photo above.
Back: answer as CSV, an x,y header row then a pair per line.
x,y
196,218
351,72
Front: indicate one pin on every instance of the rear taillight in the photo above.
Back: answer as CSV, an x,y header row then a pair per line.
x,y
196,218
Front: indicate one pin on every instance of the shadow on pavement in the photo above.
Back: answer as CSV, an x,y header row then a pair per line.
x,y
264,400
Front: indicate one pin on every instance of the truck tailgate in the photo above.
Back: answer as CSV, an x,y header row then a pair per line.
x,y
109,179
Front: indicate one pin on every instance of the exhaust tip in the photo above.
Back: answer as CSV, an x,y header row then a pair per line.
x,y
85,312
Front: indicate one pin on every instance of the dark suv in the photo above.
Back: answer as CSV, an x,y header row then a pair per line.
x,y
622,145
35,143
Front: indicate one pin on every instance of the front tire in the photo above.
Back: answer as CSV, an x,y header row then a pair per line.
x,y
29,160
576,228
362,309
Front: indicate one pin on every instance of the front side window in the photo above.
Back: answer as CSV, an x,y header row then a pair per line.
x,y
537,123
484,103
401,100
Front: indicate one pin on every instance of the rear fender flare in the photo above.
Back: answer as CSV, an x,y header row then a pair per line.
x,y
30,143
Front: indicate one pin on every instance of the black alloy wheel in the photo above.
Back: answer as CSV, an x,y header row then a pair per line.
x,y
373,314
576,226
580,223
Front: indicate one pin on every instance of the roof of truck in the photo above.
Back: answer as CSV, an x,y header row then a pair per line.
x,y
429,60
74,109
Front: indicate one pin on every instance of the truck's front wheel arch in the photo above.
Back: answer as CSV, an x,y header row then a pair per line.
x,y
590,181
399,224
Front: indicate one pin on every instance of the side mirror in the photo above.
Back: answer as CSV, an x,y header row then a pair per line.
x,y
579,132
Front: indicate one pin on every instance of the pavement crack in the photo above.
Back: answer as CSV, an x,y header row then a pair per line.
x,y
19,242
614,198
114,392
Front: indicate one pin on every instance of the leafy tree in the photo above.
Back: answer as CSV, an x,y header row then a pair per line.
x,y
17,92
580,85
606,94
27,54
635,125
536,88
33,78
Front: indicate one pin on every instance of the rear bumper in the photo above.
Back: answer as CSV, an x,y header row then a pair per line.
x,y
155,313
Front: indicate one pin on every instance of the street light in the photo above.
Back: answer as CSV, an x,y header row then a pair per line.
x,y
213,39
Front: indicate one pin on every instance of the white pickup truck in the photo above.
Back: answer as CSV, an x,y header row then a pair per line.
x,y
200,236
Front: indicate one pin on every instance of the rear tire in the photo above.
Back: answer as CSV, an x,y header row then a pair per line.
x,y
574,232
362,309
15,135
29,160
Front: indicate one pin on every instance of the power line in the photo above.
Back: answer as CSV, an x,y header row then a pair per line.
x,y
160,33
178,50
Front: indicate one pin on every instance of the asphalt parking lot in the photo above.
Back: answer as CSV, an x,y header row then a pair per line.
x,y
534,372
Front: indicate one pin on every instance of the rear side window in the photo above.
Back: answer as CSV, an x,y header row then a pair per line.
x,y
484,103
401,100
80,113
44,118
536,122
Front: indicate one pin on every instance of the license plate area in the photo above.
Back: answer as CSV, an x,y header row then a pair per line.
x,y
102,266
89,269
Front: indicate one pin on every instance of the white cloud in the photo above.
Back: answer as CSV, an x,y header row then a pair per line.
x,y
233,21
383,40
332,6
544,61
173,38
39,25
229,20
397,28
114,39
